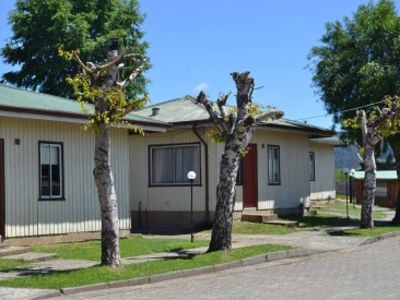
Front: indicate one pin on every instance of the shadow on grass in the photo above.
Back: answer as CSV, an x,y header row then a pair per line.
x,y
381,227
324,221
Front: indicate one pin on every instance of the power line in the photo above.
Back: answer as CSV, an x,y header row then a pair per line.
x,y
342,111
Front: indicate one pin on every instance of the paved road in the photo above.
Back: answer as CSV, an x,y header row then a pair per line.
x,y
368,272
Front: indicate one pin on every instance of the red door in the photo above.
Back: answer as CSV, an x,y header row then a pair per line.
x,y
2,200
250,190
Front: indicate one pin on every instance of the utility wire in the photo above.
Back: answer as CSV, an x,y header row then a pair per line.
x,y
342,111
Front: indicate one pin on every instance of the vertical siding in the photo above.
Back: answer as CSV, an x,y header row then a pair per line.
x,y
324,185
25,215
169,198
294,187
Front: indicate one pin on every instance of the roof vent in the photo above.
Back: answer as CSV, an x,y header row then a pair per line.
x,y
156,111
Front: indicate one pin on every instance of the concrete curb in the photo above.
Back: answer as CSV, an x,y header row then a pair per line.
x,y
374,239
258,259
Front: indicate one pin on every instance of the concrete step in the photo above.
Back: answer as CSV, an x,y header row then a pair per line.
x,y
258,217
32,256
6,251
286,223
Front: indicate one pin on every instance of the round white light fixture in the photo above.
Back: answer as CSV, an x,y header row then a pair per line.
x,y
352,171
191,175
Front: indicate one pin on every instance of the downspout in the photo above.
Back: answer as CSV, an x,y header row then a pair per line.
x,y
196,131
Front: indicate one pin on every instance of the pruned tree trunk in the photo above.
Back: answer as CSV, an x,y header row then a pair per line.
x,y
236,130
369,187
102,85
104,179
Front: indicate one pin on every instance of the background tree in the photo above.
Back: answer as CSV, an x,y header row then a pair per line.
x,y
357,64
41,27
101,85
379,124
235,128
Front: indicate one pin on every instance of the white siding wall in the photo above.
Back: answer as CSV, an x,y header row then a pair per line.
x,y
168,198
324,185
294,187
25,215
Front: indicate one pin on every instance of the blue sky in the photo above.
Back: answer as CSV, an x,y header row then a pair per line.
x,y
197,44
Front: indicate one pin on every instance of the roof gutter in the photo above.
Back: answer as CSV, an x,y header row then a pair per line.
x,y
196,131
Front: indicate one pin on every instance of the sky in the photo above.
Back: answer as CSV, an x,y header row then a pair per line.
x,y
196,44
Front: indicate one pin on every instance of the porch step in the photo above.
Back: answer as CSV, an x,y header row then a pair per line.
x,y
258,217
286,223
6,251
32,256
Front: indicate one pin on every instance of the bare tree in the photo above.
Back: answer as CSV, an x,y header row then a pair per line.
x,y
235,127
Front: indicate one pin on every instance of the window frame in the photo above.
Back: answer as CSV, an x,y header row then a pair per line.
x,y
62,181
313,155
270,182
174,145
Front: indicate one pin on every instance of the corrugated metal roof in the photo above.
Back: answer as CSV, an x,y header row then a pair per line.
x,y
185,109
380,175
38,102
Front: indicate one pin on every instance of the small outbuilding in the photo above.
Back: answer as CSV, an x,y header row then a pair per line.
x,y
387,187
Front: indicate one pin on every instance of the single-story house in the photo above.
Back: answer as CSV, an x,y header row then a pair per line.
x,y
46,165
387,187
288,163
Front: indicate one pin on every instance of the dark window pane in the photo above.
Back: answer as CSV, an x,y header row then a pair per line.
x,y
45,176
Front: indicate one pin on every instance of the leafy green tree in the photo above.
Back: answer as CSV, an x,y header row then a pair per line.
x,y
41,27
358,64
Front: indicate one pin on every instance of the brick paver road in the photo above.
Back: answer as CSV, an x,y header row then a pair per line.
x,y
368,272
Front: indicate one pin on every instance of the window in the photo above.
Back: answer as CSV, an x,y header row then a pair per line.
x,y
274,173
169,164
50,170
311,161
381,189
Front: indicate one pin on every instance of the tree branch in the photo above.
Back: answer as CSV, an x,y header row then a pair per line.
x,y
116,60
88,70
221,102
202,98
271,114
132,76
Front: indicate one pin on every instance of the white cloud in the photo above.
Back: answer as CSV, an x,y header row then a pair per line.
x,y
200,87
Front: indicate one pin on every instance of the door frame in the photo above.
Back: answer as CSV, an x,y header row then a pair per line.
x,y
2,192
256,176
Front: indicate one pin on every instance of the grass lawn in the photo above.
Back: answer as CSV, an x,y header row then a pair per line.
x,y
357,232
99,274
325,221
129,247
259,228
340,208
7,265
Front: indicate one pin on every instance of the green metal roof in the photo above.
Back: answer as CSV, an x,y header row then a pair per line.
x,y
13,98
186,109
380,175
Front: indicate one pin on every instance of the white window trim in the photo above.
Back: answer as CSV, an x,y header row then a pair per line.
x,y
150,168
58,145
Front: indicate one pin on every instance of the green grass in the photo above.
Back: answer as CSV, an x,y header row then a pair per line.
x,y
129,247
258,228
354,211
325,221
99,274
7,265
357,232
